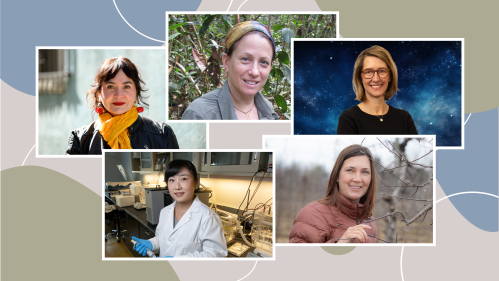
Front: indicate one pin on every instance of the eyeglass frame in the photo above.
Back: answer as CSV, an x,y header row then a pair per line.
x,y
375,72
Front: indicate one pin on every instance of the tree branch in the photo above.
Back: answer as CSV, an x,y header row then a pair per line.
x,y
181,67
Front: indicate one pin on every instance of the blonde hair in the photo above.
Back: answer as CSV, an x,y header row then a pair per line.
x,y
382,54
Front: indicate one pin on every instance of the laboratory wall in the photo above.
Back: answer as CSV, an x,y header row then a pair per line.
x,y
231,192
113,159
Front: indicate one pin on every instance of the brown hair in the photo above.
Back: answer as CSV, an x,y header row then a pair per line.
x,y
382,54
333,195
107,71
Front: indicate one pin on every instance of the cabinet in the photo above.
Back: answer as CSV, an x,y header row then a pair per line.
x,y
132,226
149,162
237,164
233,163
142,162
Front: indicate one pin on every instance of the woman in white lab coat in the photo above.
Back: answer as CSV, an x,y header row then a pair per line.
x,y
186,228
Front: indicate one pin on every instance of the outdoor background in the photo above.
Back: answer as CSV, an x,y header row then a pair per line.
x,y
196,45
303,166
64,78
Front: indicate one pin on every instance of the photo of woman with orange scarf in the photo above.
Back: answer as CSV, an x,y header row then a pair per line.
x,y
116,96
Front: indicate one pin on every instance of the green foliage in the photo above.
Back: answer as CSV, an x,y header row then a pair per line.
x,y
281,103
173,36
196,45
206,24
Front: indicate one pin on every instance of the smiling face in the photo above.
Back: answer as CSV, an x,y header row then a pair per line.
x,y
354,177
119,94
182,186
375,87
249,65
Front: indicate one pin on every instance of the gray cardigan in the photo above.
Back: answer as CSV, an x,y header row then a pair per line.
x,y
217,105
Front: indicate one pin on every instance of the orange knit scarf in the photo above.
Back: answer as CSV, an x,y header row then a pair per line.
x,y
114,130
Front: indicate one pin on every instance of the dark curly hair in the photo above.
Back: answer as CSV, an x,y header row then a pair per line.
x,y
107,71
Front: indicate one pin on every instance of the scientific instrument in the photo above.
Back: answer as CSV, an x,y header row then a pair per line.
x,y
262,233
155,202
229,223
149,252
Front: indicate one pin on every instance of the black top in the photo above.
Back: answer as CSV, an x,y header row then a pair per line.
x,y
354,121
144,134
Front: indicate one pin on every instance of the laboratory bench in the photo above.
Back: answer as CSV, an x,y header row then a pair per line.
x,y
134,223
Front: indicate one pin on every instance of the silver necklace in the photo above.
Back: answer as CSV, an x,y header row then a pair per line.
x,y
181,214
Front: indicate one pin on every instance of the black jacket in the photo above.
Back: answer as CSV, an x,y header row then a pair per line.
x,y
144,134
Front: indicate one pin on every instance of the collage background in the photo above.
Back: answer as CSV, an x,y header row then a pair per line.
x,y
51,208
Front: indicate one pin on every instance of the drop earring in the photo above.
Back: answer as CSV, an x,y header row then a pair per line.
x,y
99,109
140,109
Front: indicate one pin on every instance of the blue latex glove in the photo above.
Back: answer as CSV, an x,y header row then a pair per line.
x,y
165,257
142,245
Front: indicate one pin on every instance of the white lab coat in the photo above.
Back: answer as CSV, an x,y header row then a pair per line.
x,y
199,233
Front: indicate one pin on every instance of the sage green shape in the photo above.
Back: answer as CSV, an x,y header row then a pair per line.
x,y
476,23
52,229
338,250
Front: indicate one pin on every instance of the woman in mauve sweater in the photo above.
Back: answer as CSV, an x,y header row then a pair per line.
x,y
343,215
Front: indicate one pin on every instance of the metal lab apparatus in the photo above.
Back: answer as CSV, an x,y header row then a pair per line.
x,y
155,201
203,195
262,233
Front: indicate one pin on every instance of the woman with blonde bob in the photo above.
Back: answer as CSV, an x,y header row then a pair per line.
x,y
343,215
374,82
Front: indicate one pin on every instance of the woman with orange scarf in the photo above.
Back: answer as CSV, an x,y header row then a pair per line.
x,y
115,94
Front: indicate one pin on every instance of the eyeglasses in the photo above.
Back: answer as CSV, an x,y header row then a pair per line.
x,y
369,73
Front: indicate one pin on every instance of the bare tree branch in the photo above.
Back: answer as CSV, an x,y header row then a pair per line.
x,y
426,200
420,213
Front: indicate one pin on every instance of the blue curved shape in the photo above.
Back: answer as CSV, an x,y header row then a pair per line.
x,y
25,25
474,169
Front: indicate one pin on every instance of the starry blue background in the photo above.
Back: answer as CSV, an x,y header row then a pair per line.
x,y
429,82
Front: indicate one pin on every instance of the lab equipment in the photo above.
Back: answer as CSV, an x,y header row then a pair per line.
x,y
119,185
204,195
262,233
109,208
155,202
229,223
238,249
143,244
125,200
252,255
139,206
135,188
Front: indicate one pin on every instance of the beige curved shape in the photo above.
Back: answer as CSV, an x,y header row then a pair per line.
x,y
258,5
